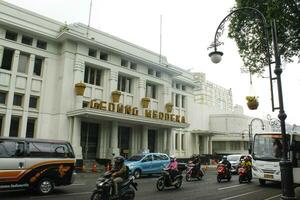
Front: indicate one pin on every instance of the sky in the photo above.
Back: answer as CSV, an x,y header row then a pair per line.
x,y
188,28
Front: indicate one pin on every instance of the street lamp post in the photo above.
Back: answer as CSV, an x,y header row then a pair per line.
x,y
216,56
250,131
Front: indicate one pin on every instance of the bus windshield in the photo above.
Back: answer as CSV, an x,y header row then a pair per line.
x,y
267,147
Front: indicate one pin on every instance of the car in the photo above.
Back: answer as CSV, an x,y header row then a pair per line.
x,y
147,164
235,160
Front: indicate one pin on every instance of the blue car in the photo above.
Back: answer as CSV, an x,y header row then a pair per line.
x,y
149,163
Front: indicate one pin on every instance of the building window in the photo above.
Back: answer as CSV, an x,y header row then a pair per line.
x,y
1,120
177,86
124,84
151,90
182,142
218,146
11,35
133,66
183,87
92,75
183,103
150,71
18,99
7,59
124,63
158,74
14,127
37,68
235,145
27,40
3,97
177,99
93,52
103,56
23,63
176,141
30,128
33,102
85,104
41,44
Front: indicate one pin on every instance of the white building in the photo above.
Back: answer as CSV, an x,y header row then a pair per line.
x,y
42,60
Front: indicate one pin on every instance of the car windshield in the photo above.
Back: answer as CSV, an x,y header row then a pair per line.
x,y
267,146
233,157
136,158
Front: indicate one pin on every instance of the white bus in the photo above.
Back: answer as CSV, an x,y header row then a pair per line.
x,y
267,152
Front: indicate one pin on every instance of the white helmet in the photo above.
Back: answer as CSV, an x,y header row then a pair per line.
x,y
172,157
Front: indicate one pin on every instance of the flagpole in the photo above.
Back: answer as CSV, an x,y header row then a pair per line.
x,y
87,31
160,39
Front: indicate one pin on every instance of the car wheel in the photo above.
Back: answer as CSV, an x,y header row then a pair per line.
x,y
45,186
137,173
262,182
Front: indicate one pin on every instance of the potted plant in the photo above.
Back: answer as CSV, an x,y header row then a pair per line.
x,y
252,102
79,88
145,102
116,96
169,107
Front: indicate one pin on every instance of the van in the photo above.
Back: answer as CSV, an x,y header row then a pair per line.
x,y
35,164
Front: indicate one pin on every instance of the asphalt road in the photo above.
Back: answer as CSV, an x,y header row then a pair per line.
x,y
206,189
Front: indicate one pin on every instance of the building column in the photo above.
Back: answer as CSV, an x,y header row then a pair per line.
x,y
210,145
165,140
114,140
145,139
76,137
78,71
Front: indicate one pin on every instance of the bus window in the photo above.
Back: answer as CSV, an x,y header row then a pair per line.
x,y
7,149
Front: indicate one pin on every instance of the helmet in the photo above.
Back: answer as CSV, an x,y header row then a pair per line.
x,y
119,160
224,158
172,157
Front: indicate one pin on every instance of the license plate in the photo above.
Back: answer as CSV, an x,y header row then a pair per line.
x,y
268,176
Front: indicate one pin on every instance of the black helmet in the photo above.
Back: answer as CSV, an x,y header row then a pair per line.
x,y
224,158
119,160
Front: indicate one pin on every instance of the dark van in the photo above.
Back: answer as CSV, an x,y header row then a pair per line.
x,y
35,164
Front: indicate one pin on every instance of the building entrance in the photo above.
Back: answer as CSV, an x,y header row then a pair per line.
x,y
123,140
151,140
89,140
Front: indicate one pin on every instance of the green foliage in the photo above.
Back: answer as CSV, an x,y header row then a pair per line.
x,y
246,28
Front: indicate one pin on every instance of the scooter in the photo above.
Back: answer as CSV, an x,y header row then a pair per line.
x,y
104,189
244,175
222,173
165,180
192,172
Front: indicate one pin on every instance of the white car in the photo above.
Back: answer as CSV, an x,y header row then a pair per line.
x,y
235,161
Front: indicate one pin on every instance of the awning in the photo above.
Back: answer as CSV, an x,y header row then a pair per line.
x,y
121,117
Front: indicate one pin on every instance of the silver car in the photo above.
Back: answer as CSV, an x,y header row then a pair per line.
x,y
235,161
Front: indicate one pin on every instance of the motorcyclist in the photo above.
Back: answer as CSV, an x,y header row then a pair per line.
x,y
197,162
119,173
247,164
226,163
173,167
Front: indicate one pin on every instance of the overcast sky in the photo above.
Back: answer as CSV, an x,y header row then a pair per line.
x,y
188,28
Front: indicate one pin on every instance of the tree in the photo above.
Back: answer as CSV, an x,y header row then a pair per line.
x,y
246,29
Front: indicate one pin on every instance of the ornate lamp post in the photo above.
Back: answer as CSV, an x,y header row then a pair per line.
x,y
216,56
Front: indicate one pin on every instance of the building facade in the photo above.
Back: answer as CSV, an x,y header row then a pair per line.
x,y
133,99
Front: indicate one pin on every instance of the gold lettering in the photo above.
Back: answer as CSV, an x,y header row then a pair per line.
x,y
92,103
182,119
96,105
128,109
161,115
148,113
167,116
172,118
111,107
154,114
120,108
177,118
135,111
102,105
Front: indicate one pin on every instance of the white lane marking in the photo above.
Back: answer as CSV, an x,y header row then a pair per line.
x,y
273,197
77,184
70,194
244,194
233,186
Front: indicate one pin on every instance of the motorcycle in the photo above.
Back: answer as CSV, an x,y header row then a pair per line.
x,y
165,180
192,172
244,175
104,188
223,173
